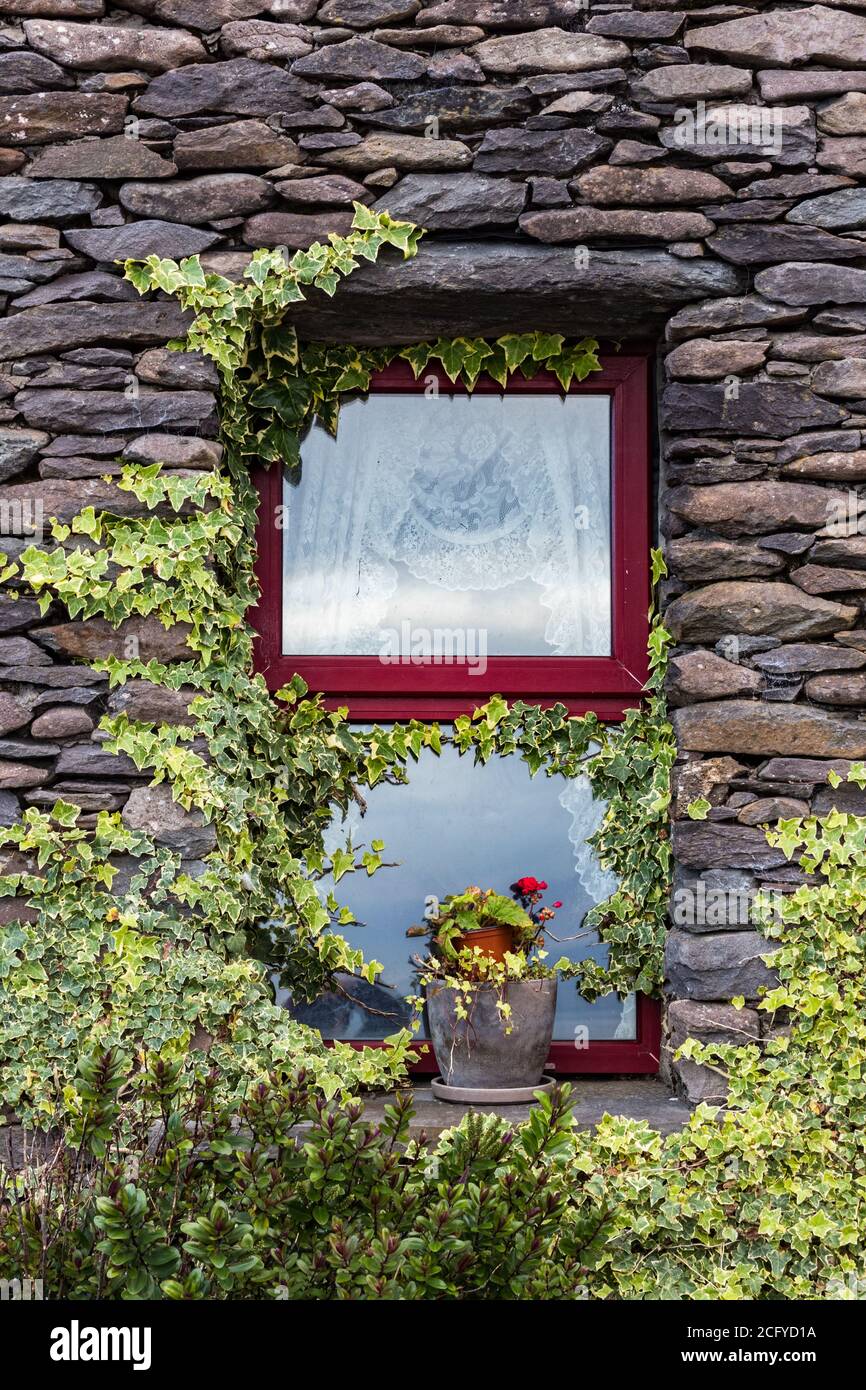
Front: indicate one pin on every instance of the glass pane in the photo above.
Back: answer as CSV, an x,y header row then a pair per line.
x,y
452,527
454,824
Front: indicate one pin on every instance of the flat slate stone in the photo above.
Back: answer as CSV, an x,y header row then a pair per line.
x,y
785,134
500,288
115,157
57,327
548,51
13,713
844,116
18,448
204,199
503,14
749,310
436,36
703,845
50,116
769,244
692,82
820,35
841,550
519,151
362,58
848,689
410,152
266,42
808,656
112,47
147,703
456,108
174,450
208,15
95,638
759,408
828,579
702,675
845,154
708,966
112,410
803,283
577,225
808,83
296,230
624,187
631,25
331,190
237,145
842,210
25,73
239,86
364,14
62,201
704,558
763,730
447,202
91,284
710,359
755,609
136,240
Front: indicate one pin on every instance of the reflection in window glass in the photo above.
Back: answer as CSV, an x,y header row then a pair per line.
x,y
488,513
454,824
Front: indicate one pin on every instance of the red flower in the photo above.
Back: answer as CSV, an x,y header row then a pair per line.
x,y
524,886
557,904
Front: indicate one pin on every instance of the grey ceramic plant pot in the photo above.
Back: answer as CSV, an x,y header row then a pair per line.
x,y
477,1051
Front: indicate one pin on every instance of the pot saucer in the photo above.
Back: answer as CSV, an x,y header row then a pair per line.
x,y
490,1095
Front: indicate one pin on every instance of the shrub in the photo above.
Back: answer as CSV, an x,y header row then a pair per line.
x,y
159,1192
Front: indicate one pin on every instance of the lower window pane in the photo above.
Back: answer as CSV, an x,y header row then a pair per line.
x,y
457,823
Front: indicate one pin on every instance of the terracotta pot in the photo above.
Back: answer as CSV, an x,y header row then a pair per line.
x,y
491,941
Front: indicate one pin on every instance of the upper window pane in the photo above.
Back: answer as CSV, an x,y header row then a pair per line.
x,y
452,526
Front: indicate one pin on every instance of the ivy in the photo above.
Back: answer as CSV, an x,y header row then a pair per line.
x,y
120,946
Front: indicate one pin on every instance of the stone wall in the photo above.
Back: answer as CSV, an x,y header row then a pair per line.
x,y
570,178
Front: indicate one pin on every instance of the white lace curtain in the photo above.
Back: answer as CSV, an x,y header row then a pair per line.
x,y
452,496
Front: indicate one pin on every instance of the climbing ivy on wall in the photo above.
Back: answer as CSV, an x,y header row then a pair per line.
x,y
762,1200
181,957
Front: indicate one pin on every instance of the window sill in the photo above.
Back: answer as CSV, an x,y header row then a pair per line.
x,y
633,1098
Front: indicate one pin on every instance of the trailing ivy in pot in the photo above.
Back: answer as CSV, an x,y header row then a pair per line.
x,y
490,996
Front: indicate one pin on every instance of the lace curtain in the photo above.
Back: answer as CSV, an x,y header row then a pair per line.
x,y
420,501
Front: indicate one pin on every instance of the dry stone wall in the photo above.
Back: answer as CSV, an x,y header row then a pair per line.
x,y
688,171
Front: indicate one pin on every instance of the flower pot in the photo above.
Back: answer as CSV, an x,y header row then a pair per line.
x,y
491,941
477,1051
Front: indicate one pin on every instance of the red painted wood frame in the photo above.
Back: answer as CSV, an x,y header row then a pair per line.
x,y
608,685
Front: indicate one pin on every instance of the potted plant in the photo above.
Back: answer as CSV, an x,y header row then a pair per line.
x,y
489,994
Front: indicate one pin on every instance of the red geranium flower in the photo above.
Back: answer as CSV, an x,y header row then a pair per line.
x,y
527,885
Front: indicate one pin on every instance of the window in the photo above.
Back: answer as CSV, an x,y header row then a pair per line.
x,y
443,548
447,546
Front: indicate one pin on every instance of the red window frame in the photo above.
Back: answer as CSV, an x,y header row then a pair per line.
x,y
607,685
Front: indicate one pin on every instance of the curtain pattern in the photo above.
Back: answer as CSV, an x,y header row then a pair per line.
x,y
462,496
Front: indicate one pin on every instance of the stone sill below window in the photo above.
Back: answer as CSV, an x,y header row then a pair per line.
x,y
634,1098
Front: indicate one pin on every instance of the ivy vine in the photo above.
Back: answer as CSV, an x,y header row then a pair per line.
x,y
764,1199
183,959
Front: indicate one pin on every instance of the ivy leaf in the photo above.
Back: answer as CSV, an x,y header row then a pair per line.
x,y
517,347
